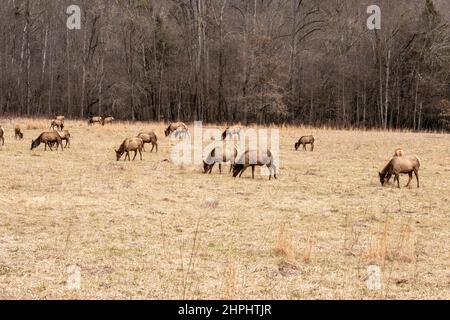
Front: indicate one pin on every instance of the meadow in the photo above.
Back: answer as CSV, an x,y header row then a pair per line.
x,y
152,229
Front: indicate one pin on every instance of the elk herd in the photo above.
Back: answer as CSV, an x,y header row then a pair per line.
x,y
219,154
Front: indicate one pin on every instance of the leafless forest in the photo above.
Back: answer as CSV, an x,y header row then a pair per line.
x,y
253,61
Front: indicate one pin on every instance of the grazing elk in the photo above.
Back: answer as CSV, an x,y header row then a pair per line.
x,y
252,158
2,135
108,120
93,120
47,138
304,141
231,131
130,144
399,152
18,134
220,154
58,124
149,137
179,128
398,165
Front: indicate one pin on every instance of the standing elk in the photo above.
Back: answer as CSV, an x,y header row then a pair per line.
x,y
108,120
18,134
220,154
179,128
252,158
304,141
94,120
60,118
48,138
58,124
65,136
399,165
149,137
130,144
399,152
231,131
2,135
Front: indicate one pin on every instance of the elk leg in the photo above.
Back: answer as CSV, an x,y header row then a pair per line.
x,y
270,171
153,147
397,176
210,168
274,171
140,153
243,169
220,168
135,154
410,178
416,173
156,147
312,147
50,146
253,172
127,156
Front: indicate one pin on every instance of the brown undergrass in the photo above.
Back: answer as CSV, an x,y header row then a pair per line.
x,y
155,230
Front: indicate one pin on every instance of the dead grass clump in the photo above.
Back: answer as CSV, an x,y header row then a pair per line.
x,y
229,282
386,245
284,246
307,250
379,244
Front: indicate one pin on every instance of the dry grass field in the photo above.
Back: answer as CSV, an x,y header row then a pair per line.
x,y
155,230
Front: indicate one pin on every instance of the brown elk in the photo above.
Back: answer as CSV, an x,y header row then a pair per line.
x,y
399,165
94,120
149,137
2,135
220,154
178,127
130,144
18,134
304,141
231,131
108,120
252,158
48,138
65,136
58,124
399,152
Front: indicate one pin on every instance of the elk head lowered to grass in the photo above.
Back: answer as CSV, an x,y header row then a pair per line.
x,y
399,165
93,120
304,141
252,158
130,144
48,138
179,128
231,131
220,154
